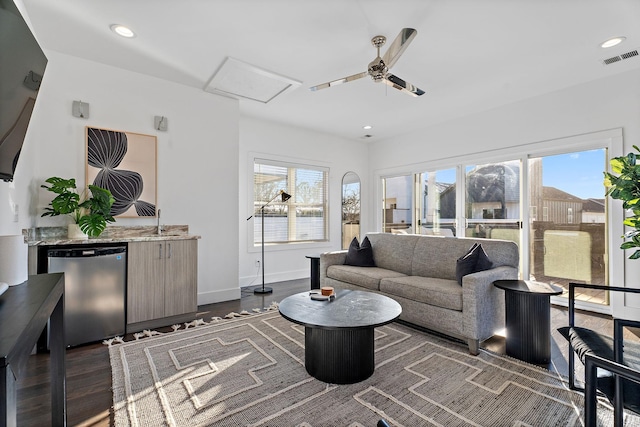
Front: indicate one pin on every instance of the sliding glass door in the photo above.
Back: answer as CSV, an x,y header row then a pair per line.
x,y
568,221
436,196
492,202
397,204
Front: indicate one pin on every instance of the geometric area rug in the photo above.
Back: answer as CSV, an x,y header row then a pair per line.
x,y
249,371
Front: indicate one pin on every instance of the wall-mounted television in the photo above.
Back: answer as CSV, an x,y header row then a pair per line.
x,y
22,65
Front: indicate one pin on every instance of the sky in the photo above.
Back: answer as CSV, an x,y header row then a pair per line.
x,y
580,174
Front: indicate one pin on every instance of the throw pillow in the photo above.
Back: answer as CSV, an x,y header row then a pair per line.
x,y
466,263
483,263
360,255
474,260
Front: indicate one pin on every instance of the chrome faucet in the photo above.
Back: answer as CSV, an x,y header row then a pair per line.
x,y
159,226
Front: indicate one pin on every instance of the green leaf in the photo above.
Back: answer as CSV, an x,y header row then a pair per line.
x,y
60,185
628,245
65,203
635,255
93,225
101,202
617,164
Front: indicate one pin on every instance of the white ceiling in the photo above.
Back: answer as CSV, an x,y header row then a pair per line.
x,y
469,55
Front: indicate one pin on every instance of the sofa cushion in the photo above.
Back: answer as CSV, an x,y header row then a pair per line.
x,y
367,277
393,251
435,256
360,255
443,293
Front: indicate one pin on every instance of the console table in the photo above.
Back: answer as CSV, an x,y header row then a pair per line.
x,y
24,312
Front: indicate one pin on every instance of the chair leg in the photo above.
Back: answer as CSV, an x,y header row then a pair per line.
x,y
618,403
590,403
572,369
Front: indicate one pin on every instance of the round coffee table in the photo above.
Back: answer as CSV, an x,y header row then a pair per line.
x,y
528,319
338,333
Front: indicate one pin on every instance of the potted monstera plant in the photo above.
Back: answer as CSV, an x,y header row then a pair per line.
x,y
90,211
625,186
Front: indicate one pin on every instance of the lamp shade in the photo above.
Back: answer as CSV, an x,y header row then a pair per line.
x,y
285,196
13,260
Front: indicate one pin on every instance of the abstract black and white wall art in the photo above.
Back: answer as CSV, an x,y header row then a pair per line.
x,y
124,163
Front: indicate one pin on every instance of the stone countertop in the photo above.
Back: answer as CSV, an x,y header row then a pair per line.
x,y
51,236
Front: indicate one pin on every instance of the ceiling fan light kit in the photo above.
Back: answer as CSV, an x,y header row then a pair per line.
x,y
378,69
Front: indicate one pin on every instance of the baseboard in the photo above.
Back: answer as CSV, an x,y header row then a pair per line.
x,y
274,277
213,297
158,323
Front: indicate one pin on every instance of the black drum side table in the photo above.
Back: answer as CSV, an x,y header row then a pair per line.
x,y
528,319
315,270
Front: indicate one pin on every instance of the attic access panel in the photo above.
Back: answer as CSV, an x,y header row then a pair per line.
x,y
239,79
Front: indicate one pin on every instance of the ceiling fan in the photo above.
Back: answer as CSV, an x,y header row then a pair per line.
x,y
379,68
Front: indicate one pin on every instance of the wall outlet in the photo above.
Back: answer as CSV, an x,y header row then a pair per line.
x,y
257,263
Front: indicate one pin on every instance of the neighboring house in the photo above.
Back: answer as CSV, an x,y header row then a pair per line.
x,y
560,207
593,211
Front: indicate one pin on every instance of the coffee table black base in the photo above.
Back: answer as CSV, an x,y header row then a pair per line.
x,y
261,290
339,356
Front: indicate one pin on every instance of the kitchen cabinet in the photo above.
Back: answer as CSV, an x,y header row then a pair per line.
x,y
162,279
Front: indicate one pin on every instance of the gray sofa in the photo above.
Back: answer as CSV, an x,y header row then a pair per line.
x,y
420,273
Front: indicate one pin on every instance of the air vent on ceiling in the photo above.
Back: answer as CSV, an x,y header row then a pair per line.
x,y
621,57
238,79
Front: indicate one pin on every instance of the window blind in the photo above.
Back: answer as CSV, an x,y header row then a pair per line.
x,y
303,218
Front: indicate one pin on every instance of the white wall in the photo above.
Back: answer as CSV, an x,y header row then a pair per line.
x,y
278,142
197,157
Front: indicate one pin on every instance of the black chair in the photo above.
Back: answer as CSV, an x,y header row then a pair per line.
x,y
596,350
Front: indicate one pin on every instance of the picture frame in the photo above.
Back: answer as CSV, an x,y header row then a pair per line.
x,y
124,163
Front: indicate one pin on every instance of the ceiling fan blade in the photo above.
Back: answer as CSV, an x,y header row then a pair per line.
x,y
339,81
406,87
398,46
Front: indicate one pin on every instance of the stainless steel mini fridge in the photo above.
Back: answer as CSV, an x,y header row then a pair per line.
x,y
94,300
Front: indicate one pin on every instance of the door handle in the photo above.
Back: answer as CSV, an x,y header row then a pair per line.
x,y
160,250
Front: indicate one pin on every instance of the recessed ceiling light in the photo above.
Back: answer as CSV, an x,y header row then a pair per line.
x,y
614,41
123,31
367,127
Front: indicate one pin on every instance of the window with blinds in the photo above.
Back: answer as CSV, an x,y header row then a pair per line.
x,y
303,218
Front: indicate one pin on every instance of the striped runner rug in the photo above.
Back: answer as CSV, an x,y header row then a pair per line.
x,y
249,371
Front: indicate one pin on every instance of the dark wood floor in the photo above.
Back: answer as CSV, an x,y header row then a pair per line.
x,y
89,395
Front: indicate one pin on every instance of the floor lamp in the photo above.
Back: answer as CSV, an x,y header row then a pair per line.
x,y
285,197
